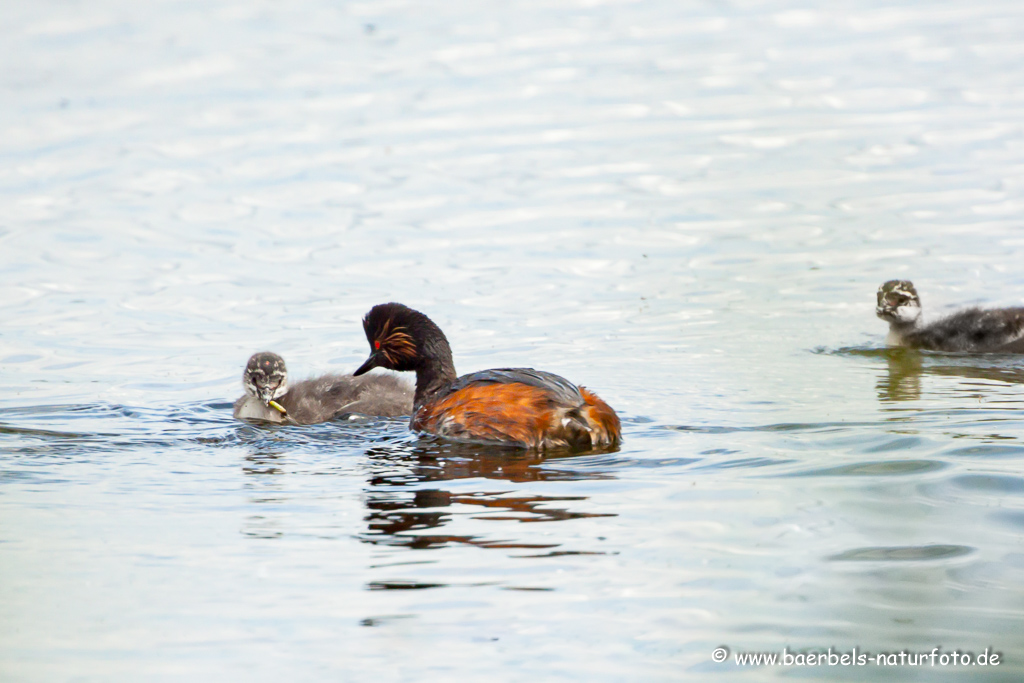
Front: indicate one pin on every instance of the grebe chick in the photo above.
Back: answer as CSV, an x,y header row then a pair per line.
x,y
269,398
973,329
510,406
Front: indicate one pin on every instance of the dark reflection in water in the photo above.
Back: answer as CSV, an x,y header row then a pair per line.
x,y
398,517
399,586
901,380
401,462
263,463
406,506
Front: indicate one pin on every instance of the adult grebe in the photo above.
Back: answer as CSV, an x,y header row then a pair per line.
x,y
511,406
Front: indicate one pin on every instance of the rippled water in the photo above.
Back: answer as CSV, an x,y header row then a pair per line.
x,y
687,207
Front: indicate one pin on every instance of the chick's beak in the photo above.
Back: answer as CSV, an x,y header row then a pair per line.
x,y
265,394
370,364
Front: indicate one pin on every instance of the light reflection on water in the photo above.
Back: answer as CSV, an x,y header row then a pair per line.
x,y
686,208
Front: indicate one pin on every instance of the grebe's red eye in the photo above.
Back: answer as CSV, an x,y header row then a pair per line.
x,y
376,345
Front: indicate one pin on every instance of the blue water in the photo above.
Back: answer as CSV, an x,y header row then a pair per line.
x,y
685,207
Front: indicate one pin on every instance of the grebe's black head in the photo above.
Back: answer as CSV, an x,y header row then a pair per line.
x,y
402,339
265,376
898,302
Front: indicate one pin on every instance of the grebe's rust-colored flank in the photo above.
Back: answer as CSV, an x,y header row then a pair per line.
x,y
512,406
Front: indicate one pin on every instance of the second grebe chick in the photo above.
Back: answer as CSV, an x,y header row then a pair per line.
x,y
977,330
511,406
269,397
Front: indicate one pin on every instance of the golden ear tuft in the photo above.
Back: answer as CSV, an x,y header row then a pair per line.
x,y
396,344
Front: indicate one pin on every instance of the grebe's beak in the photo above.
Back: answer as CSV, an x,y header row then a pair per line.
x,y
370,364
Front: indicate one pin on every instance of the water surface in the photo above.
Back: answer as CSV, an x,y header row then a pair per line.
x,y
685,207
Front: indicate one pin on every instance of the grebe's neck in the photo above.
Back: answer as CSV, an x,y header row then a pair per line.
x,y
435,370
898,332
